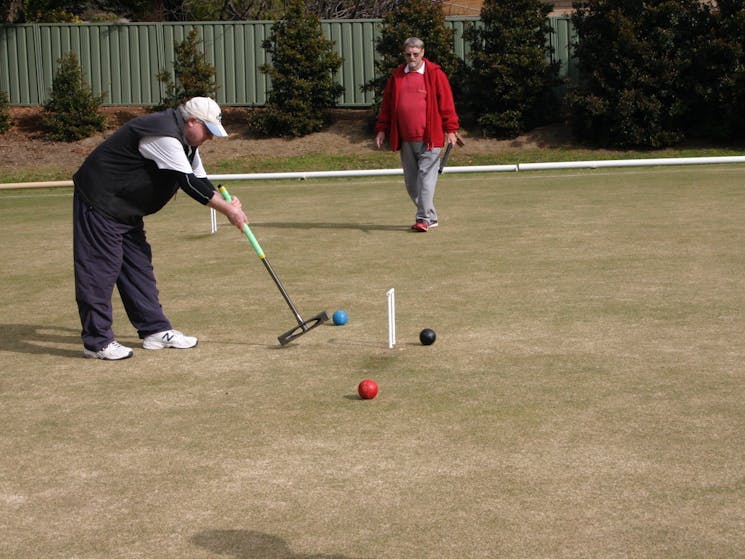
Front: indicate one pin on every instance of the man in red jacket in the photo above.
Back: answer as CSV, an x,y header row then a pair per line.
x,y
418,116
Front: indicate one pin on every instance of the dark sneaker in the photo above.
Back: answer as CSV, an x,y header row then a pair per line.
x,y
433,224
112,352
169,338
420,226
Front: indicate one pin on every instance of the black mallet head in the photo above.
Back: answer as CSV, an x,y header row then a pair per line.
x,y
302,328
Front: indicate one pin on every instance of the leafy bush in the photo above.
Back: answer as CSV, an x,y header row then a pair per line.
x,y
639,63
72,111
510,77
302,72
417,18
47,11
716,85
195,77
4,112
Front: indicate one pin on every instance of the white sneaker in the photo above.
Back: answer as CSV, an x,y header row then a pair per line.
x,y
169,338
112,352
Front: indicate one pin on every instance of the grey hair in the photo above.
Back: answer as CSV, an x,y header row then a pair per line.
x,y
415,42
185,113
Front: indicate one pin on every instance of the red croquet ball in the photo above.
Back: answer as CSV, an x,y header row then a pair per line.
x,y
367,389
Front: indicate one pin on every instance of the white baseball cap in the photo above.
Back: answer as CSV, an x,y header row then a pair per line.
x,y
206,110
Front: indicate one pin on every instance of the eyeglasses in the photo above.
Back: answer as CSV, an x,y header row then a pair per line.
x,y
412,54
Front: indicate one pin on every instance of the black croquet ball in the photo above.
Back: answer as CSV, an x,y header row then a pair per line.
x,y
427,336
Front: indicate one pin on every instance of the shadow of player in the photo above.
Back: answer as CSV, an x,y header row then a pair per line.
x,y
41,339
245,544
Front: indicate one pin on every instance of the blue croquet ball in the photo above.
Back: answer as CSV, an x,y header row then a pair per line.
x,y
340,318
427,336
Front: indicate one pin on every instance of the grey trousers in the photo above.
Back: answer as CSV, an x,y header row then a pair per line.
x,y
420,176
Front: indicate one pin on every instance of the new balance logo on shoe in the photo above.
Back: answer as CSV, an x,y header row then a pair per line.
x,y
169,339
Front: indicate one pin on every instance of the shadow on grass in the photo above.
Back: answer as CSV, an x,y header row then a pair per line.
x,y
245,544
40,340
243,343
359,342
364,227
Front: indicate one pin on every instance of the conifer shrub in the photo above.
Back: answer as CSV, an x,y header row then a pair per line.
x,y
417,18
511,78
5,120
303,76
193,75
72,111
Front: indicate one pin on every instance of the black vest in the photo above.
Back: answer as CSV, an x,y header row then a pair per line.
x,y
116,180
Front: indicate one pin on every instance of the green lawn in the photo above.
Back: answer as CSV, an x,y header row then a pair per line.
x,y
583,397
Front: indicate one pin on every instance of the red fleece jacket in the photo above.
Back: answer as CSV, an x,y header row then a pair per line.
x,y
441,115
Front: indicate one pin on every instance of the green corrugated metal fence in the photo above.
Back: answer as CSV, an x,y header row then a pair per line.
x,y
123,60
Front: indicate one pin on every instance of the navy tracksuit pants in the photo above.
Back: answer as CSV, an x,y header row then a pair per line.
x,y
107,253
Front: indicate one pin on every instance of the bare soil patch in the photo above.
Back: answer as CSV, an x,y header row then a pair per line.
x,y
25,146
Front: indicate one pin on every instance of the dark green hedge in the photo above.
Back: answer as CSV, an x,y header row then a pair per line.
x,y
657,72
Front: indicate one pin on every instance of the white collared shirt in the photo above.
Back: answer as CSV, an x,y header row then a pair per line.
x,y
168,153
420,70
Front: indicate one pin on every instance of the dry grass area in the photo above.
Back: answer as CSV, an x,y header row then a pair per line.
x,y
583,398
23,146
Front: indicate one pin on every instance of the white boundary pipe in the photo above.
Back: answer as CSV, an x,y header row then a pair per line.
x,y
470,169
48,184
307,175
630,163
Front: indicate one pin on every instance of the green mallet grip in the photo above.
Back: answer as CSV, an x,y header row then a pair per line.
x,y
246,229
